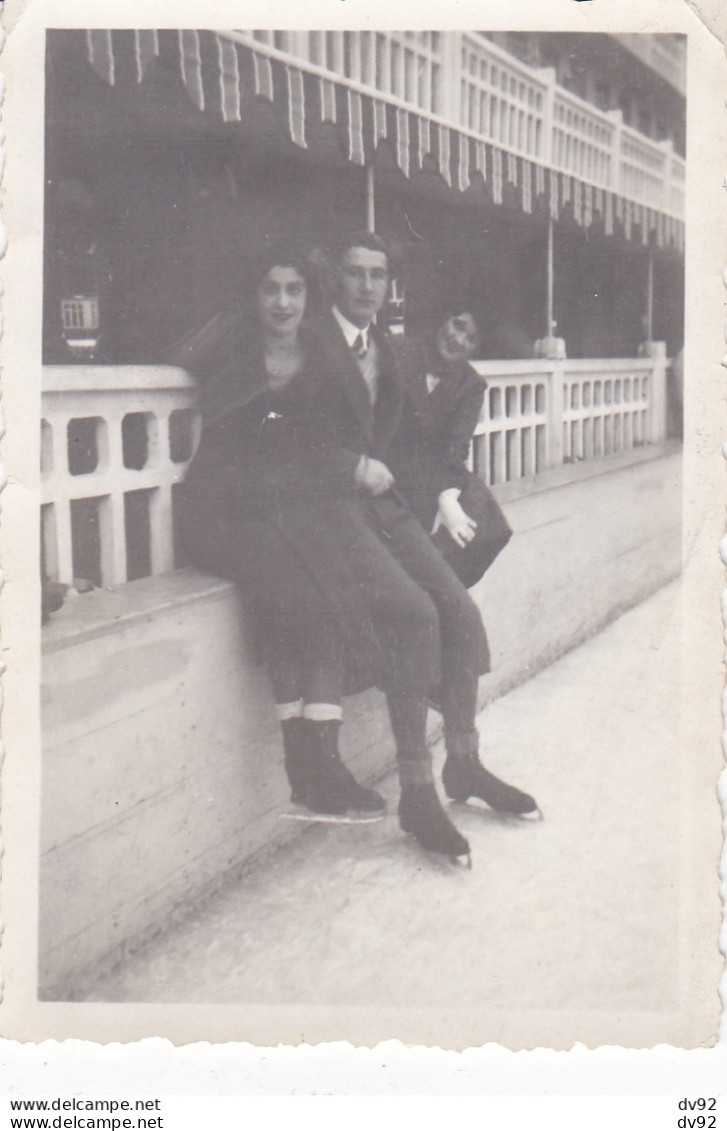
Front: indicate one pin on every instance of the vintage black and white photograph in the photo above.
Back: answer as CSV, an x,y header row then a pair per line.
x,y
361,534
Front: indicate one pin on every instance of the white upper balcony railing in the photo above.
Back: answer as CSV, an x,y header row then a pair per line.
x,y
501,98
489,93
117,440
583,140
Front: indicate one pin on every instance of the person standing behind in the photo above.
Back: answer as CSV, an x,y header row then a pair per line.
x,y
443,404
366,398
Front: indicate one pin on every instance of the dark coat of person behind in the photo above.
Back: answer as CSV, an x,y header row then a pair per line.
x,y
429,453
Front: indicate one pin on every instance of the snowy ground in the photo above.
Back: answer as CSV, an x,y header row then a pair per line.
x,y
560,914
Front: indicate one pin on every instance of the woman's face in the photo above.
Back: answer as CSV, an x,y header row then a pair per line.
x,y
457,337
281,300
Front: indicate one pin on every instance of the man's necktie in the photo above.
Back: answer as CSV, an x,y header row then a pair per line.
x,y
359,346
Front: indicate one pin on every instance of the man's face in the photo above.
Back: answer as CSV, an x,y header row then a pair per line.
x,y
363,279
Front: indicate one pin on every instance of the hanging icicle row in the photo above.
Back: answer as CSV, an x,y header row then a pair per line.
x,y
424,135
526,186
99,46
481,159
296,107
146,49
191,60
356,154
328,101
463,166
554,201
497,176
402,141
230,85
380,124
263,71
445,155
539,180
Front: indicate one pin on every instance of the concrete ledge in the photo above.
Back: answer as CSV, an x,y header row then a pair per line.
x,y
162,765
585,549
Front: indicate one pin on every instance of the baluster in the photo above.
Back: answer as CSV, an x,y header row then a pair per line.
x,y
616,179
162,531
555,413
62,499
112,518
63,538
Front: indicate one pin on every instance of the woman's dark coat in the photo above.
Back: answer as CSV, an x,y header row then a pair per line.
x,y
270,483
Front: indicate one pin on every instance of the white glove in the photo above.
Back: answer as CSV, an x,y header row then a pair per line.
x,y
450,515
373,475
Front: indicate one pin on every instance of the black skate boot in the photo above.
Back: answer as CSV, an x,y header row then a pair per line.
x,y
422,815
464,776
331,787
296,757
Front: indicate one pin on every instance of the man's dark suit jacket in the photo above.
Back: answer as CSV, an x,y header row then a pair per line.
x,y
363,428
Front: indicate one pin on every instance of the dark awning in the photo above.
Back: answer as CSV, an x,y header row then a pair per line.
x,y
223,76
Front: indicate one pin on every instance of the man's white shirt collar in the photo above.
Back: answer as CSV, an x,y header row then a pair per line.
x,y
351,332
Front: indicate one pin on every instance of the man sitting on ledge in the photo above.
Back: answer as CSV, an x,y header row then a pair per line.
x,y
406,577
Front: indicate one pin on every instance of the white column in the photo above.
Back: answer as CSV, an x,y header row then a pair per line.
x,y
64,544
617,119
650,299
450,72
162,533
555,413
112,520
548,76
666,182
370,200
62,503
657,393
385,61
299,44
549,280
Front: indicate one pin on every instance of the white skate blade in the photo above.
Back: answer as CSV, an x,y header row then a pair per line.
x,y
476,803
352,818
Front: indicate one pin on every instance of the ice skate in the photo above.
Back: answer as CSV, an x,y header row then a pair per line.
x,y
330,787
465,777
422,815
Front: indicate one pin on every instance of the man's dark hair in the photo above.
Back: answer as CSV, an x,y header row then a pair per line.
x,y
372,241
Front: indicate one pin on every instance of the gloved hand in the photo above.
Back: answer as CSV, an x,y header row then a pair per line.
x,y
453,518
373,476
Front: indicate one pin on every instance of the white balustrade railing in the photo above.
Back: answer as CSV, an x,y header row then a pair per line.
x,y
114,442
502,98
677,185
496,97
540,414
607,410
515,430
646,169
583,139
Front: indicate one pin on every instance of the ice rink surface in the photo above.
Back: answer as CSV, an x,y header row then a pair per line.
x,y
578,911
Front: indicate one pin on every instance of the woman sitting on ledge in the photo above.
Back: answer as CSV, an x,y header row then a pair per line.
x,y
257,507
